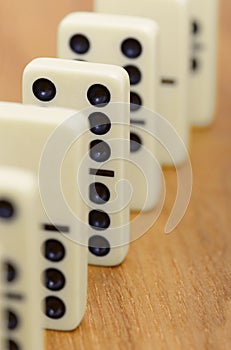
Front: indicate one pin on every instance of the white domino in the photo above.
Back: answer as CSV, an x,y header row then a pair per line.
x,y
95,89
20,264
204,18
132,43
172,16
24,133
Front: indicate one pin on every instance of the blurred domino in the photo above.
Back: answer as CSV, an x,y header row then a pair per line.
x,y
93,87
204,15
24,132
131,42
172,16
20,286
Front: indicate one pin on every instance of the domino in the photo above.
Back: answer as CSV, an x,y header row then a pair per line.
x,y
132,43
20,287
172,16
95,89
204,19
25,133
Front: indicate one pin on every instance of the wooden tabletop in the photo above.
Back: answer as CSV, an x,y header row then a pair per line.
x,y
173,291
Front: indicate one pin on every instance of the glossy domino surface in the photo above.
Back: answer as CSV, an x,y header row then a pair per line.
x,y
203,20
20,288
132,43
172,16
24,133
102,92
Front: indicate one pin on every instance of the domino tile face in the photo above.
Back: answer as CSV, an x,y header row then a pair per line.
x,y
132,43
20,288
25,134
172,17
102,93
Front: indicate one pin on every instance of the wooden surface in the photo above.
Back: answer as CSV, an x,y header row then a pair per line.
x,y
173,291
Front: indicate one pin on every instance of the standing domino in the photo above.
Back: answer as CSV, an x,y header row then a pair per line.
x,y
24,133
172,17
204,16
93,88
20,263
131,42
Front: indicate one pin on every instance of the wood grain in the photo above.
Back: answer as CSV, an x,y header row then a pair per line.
x,y
173,291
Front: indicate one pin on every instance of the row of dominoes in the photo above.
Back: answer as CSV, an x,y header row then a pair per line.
x,y
155,53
